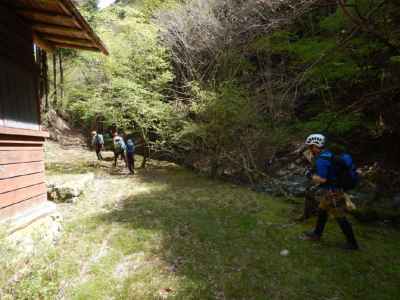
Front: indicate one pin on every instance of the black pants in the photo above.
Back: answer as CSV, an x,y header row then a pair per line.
x,y
117,154
98,153
131,162
343,223
310,204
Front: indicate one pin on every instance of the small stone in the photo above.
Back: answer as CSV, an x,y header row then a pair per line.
x,y
284,252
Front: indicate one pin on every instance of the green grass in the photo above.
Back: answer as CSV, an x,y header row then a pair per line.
x,y
178,235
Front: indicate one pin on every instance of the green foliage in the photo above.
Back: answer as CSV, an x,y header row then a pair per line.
x,y
338,124
395,59
148,6
310,49
334,23
234,65
7,256
279,41
260,44
89,9
128,87
221,115
244,95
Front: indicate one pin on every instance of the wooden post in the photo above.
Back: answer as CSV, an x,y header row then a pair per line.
x,y
46,80
55,79
61,74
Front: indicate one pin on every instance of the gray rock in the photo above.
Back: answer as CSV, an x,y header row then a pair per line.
x,y
292,185
68,188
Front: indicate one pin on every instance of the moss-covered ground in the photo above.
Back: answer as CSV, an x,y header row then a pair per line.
x,y
167,233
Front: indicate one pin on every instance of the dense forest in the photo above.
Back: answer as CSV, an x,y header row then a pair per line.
x,y
218,203
224,86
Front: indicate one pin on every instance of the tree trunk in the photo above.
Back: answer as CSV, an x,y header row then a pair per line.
x,y
61,75
46,81
146,151
55,79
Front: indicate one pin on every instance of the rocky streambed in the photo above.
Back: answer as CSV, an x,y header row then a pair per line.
x,y
374,198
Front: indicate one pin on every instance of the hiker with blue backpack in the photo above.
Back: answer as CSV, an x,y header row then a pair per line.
x,y
333,175
98,144
130,155
119,148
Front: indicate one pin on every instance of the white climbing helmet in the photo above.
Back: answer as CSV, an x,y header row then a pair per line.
x,y
317,140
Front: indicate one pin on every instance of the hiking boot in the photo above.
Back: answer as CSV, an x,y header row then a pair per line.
x,y
350,247
311,236
347,230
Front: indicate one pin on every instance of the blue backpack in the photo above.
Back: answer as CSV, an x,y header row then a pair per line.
x,y
130,146
346,171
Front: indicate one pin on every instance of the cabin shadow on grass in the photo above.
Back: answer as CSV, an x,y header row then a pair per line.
x,y
224,242
83,167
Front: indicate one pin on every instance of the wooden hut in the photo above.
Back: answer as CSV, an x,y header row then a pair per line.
x,y
27,29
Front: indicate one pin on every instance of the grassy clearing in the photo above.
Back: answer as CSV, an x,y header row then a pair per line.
x,y
170,234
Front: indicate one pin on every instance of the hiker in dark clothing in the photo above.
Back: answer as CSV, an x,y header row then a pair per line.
x,y
332,200
98,144
119,148
130,155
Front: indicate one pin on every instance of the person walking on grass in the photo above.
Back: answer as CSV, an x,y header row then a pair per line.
x,y
119,148
98,144
130,155
332,200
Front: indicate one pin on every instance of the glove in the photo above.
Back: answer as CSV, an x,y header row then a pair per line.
x,y
308,174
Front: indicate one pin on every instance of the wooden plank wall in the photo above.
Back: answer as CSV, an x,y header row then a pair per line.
x,y
19,74
22,184
22,178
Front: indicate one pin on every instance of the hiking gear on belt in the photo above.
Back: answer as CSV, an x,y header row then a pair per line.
x,y
350,206
316,139
333,202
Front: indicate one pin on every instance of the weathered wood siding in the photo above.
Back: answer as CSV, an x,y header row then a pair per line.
x,y
22,184
19,74
22,180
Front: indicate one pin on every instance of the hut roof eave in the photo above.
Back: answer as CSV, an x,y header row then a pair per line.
x,y
56,24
